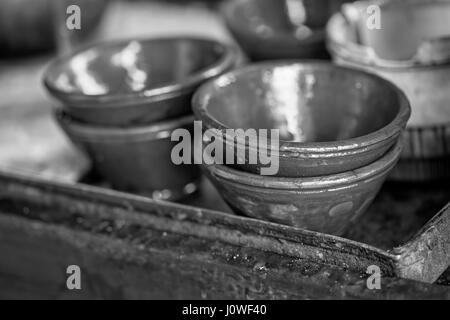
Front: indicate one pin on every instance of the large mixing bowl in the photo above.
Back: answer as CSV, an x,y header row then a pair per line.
x,y
325,204
136,159
138,81
330,119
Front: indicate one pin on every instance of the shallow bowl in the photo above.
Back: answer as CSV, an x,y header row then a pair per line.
x,y
133,82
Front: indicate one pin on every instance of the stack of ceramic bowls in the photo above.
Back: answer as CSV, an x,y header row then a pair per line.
x,y
339,135
280,29
121,101
408,45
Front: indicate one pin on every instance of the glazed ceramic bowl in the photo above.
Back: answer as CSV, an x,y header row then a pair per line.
x,y
412,51
324,204
136,82
135,159
280,29
330,119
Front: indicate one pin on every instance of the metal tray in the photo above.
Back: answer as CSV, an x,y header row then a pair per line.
x,y
132,246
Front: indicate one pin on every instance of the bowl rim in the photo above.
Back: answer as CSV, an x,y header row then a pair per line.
x,y
163,91
331,148
338,181
98,133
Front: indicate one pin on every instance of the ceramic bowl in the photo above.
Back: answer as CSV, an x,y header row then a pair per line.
x,y
134,82
324,204
412,51
330,119
280,29
135,159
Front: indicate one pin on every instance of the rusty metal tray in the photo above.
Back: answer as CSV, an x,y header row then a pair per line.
x,y
53,214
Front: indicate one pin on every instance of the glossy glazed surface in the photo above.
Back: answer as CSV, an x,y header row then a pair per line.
x,y
136,81
330,119
136,160
325,204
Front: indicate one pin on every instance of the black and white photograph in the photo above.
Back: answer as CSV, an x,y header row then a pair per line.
x,y
224,155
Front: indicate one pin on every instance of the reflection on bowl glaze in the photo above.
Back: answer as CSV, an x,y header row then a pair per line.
x,y
90,83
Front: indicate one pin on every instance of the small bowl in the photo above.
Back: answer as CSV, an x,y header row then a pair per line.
x,y
280,29
324,204
330,119
134,82
136,159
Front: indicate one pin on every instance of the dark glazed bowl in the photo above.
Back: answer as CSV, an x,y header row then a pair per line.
x,y
330,119
136,159
280,29
137,81
325,204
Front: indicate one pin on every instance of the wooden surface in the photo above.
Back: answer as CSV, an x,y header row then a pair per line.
x,y
126,249
38,255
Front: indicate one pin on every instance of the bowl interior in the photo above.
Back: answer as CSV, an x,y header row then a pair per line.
x,y
306,102
134,66
274,17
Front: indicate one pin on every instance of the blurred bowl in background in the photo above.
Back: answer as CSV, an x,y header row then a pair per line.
x,y
280,29
137,81
136,159
330,119
30,26
324,204
412,50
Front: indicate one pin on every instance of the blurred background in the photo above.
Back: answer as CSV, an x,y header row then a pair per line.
x,y
40,26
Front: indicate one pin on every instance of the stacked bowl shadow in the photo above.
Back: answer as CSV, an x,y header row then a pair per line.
x,y
410,47
120,102
339,139
280,29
